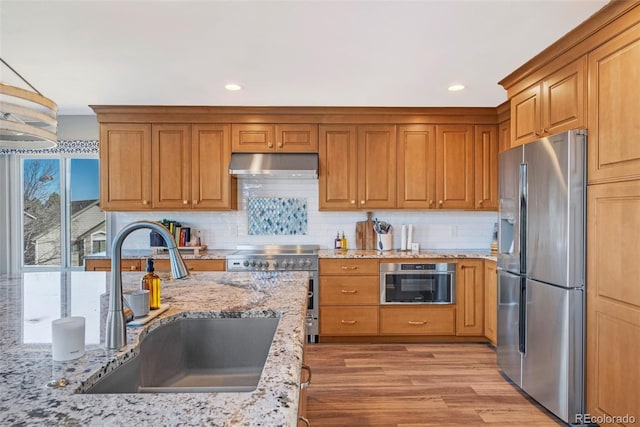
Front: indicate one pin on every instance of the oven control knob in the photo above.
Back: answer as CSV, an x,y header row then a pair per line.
x,y
253,263
301,262
246,263
285,264
276,264
265,264
307,262
260,264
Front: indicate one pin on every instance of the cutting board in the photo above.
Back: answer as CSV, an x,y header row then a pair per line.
x,y
365,236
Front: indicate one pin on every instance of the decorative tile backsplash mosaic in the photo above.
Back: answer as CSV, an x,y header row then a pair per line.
x,y
277,216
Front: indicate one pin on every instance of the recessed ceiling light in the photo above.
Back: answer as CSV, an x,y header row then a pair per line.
x,y
232,86
455,88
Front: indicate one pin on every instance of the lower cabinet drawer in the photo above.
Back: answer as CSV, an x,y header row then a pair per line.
x,y
417,321
348,320
349,290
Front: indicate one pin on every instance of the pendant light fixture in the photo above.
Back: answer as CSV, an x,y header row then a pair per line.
x,y
27,118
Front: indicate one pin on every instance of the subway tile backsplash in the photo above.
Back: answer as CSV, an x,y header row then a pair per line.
x,y
225,230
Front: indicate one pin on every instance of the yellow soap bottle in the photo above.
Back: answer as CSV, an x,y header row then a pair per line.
x,y
151,282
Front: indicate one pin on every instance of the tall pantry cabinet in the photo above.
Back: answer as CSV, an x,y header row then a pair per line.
x,y
593,71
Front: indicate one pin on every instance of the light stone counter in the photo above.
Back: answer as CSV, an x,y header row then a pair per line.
x,y
29,302
147,253
432,254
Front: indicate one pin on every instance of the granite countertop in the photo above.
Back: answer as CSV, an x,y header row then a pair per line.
x,y
148,253
325,253
429,253
29,302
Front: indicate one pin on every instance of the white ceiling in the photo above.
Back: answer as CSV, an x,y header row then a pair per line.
x,y
295,53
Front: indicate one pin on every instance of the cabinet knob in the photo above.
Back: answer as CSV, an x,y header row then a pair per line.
x,y
195,202
545,130
280,145
440,203
145,202
536,133
480,202
430,202
353,202
185,202
133,268
270,144
362,202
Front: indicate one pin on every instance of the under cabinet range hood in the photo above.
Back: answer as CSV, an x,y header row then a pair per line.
x,y
275,165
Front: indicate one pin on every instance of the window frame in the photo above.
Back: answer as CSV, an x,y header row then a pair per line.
x,y
16,223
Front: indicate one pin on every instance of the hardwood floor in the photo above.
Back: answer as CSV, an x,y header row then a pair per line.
x,y
413,385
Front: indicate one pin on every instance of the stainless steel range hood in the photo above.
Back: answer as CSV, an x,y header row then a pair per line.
x,y
275,165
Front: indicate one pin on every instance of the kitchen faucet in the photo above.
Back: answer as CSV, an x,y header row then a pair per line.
x,y
116,333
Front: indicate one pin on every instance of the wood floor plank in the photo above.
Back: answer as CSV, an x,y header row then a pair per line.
x,y
414,385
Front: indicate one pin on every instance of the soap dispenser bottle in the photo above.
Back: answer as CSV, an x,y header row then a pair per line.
x,y
337,243
151,282
344,241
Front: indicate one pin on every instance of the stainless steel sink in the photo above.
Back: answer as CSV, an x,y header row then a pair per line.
x,y
196,356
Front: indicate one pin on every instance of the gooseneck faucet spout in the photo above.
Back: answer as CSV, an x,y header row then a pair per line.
x,y
116,333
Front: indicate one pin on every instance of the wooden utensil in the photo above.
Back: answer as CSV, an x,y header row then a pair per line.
x,y
369,234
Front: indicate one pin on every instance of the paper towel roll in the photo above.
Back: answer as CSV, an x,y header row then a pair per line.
x,y
409,235
403,238
67,338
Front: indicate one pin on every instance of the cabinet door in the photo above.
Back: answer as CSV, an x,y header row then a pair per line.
x,y
171,166
211,185
614,108
125,167
252,138
454,167
486,167
297,138
416,152
525,116
337,167
613,299
469,298
504,136
376,166
563,101
491,301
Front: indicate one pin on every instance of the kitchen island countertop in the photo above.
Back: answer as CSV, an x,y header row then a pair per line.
x,y
29,303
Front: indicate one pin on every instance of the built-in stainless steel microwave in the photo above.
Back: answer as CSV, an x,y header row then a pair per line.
x,y
417,283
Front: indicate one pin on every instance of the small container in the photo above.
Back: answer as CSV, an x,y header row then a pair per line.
x,y
384,241
344,241
138,302
337,243
151,282
67,341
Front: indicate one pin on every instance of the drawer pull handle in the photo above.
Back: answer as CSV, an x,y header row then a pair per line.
x,y
349,291
308,381
133,268
346,267
304,420
414,322
348,322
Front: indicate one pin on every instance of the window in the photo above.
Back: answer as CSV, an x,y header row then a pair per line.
x,y
61,220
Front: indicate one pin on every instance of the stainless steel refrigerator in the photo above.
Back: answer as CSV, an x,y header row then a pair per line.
x,y
541,270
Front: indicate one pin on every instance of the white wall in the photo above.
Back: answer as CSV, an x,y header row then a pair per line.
x,y
225,230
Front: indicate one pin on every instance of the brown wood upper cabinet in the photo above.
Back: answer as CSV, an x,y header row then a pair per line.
x,y
486,167
357,167
454,167
264,138
435,167
614,108
125,166
165,166
554,105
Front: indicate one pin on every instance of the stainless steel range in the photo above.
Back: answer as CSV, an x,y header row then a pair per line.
x,y
283,258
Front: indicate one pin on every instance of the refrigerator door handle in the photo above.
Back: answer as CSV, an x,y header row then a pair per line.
x,y
522,315
522,195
